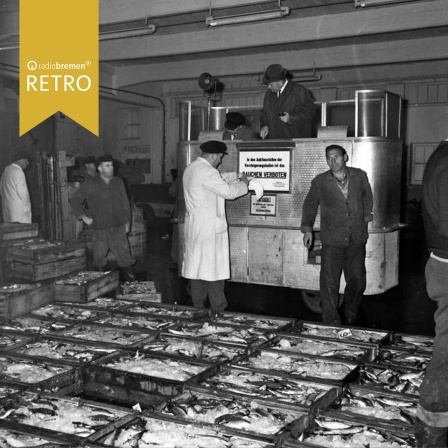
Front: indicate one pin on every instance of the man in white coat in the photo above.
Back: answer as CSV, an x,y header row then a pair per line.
x,y
206,259
16,204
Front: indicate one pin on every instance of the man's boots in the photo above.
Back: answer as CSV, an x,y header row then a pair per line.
x,y
127,273
429,436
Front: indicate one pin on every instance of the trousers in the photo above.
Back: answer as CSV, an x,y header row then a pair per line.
x,y
115,240
433,404
335,260
215,291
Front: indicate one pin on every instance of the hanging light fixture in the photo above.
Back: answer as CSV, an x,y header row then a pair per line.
x,y
282,11
118,31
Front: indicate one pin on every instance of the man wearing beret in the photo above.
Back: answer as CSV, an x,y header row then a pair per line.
x,y
109,216
288,107
206,258
16,204
236,128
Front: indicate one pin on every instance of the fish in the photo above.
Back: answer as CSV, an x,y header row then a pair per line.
x,y
332,425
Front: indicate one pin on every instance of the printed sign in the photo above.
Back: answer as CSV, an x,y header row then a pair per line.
x,y
266,205
271,168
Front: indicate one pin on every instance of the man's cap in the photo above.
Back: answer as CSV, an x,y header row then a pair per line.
x,y
233,120
89,159
105,158
19,154
274,72
214,147
79,179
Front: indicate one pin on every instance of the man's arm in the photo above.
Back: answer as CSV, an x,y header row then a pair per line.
x,y
309,212
303,109
232,190
22,189
367,199
442,186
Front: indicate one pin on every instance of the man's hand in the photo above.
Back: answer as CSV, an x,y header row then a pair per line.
x,y
127,227
285,117
308,239
264,131
88,221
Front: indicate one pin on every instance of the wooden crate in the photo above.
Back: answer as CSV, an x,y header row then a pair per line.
x,y
46,260
14,231
85,292
16,304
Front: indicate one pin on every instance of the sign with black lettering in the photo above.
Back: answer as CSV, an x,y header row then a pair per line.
x,y
267,205
271,168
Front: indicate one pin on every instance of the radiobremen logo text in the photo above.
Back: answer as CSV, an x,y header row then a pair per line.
x,y
56,83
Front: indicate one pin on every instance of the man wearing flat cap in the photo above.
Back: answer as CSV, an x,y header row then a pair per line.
x,y
206,258
89,167
288,107
109,216
236,128
16,204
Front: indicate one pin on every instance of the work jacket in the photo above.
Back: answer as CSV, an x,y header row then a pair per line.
x,y
242,133
206,255
435,201
16,204
298,102
108,202
340,217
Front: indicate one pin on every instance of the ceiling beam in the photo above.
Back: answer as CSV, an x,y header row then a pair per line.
x,y
355,55
360,22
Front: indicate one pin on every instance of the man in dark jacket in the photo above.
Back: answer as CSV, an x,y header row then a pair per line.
x,y
288,107
431,423
236,128
345,198
109,216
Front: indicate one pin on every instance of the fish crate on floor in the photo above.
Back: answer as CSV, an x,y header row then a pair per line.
x,y
15,231
132,377
314,368
85,286
403,358
160,431
39,373
269,387
383,406
412,342
18,299
47,260
70,421
334,429
141,291
177,311
342,333
11,340
243,416
309,345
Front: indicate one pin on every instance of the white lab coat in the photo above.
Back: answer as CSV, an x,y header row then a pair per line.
x,y
206,236
16,204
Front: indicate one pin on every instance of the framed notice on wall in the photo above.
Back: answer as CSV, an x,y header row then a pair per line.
x,y
265,206
271,167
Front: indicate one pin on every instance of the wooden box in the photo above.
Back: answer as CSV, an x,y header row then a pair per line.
x,y
15,231
16,303
42,261
85,286
140,291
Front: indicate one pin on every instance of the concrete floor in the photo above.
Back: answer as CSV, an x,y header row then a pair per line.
x,y
404,308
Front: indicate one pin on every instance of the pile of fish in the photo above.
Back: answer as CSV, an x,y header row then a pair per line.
x,y
378,405
177,312
222,333
349,334
145,364
16,287
65,350
144,321
390,378
320,347
58,414
151,432
271,323
138,288
9,439
335,433
64,312
81,278
414,343
41,244
404,358
273,387
107,303
28,371
30,324
297,365
241,414
9,340
192,348
104,334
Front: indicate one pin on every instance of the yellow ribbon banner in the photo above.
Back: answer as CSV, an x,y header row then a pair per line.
x,y
59,61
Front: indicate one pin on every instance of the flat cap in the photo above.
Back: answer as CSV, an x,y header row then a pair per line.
x,y
20,154
214,147
105,158
233,120
89,159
